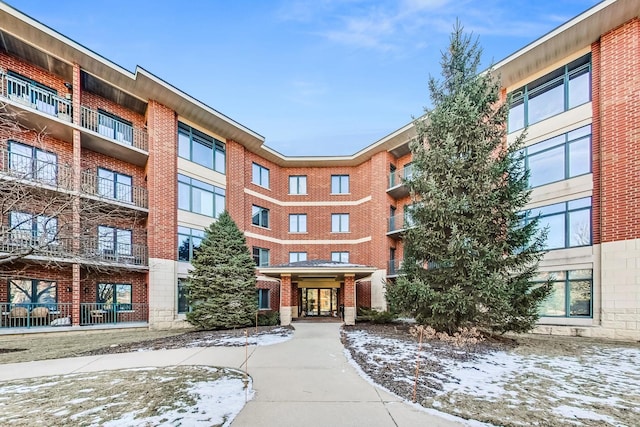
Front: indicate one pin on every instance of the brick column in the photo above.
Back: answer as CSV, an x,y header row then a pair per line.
x,y
349,299
285,299
77,180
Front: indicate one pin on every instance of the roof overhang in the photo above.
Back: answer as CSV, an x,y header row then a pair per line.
x,y
318,273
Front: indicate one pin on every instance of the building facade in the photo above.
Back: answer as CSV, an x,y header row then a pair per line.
x,y
114,175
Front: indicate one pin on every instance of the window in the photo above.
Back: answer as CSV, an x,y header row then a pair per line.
x,y
569,223
297,223
39,229
114,185
263,299
114,241
115,127
340,223
33,291
201,148
183,297
260,216
199,197
562,157
570,295
297,256
114,296
559,91
339,184
189,240
298,184
261,256
32,163
340,256
260,175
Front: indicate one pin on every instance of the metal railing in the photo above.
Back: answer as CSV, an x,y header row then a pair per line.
x,y
113,129
113,252
110,313
34,315
17,241
393,267
399,222
399,176
108,189
31,96
33,169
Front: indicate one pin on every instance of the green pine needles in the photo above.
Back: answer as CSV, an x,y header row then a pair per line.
x,y
470,257
222,284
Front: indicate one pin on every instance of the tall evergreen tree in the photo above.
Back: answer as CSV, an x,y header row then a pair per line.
x,y
470,257
222,285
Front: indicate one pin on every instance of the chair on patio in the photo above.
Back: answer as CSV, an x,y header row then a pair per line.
x,y
40,316
18,316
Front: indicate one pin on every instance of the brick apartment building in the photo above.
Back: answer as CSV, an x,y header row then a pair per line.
x,y
137,169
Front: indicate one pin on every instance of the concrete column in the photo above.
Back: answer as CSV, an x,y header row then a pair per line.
x,y
349,299
285,299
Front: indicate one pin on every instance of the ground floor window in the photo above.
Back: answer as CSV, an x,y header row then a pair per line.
x,y
571,294
183,297
114,296
33,291
263,299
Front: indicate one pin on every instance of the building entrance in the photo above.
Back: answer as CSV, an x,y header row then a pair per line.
x,y
319,302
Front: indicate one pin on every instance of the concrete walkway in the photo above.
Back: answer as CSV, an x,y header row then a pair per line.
x,y
306,381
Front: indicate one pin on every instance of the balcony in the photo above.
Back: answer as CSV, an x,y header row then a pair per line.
x,y
106,189
397,188
393,267
397,224
26,243
109,313
108,252
130,143
35,171
35,315
37,108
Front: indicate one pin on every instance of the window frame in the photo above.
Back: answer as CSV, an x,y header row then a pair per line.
x,y
258,253
116,186
566,212
190,234
339,255
33,165
568,280
340,223
296,182
121,129
115,304
33,290
297,256
260,174
217,147
182,295
32,224
116,233
218,194
300,223
260,216
340,184
262,299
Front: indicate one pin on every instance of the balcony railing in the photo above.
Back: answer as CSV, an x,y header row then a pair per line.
x,y
108,189
31,96
398,223
393,267
113,129
20,242
39,171
34,315
110,313
397,177
113,252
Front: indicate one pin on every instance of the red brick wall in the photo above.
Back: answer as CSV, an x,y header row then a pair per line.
x,y
16,65
92,160
595,143
94,102
619,100
274,293
90,279
162,172
363,294
60,274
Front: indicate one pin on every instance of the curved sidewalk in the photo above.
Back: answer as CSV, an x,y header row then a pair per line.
x,y
306,381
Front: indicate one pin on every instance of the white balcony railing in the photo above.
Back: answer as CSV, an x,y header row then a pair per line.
x,y
36,98
113,129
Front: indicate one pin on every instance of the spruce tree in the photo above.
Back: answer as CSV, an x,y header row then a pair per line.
x,y
471,254
222,284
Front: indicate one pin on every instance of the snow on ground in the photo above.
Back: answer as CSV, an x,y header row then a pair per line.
x,y
599,386
273,336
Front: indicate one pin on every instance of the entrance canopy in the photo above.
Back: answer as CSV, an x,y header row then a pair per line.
x,y
318,273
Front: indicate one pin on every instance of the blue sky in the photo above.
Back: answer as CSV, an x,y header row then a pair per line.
x,y
314,77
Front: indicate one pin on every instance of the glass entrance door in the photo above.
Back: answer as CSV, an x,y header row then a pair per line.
x,y
320,302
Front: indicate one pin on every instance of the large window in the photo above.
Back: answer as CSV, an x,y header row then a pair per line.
x,y
115,127
32,163
340,223
340,256
183,297
263,299
570,295
260,175
260,256
339,184
298,184
114,296
33,291
201,148
297,223
568,223
260,216
114,241
562,157
189,240
35,228
200,197
114,185
559,91
297,256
